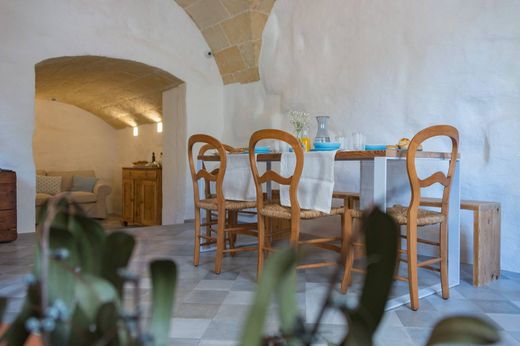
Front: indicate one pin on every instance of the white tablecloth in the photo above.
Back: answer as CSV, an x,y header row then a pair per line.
x,y
238,181
316,183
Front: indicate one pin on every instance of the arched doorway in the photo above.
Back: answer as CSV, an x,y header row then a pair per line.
x,y
99,113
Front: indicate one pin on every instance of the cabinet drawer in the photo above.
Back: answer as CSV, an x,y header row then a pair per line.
x,y
7,196
139,174
7,219
7,177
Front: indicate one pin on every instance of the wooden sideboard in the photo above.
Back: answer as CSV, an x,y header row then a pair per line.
x,y
142,196
7,206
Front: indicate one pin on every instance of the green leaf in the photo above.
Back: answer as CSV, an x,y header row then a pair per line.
x,y
90,237
464,330
287,304
80,333
3,306
163,274
116,254
381,237
16,334
92,292
279,265
107,324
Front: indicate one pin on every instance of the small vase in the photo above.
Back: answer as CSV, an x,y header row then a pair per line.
x,y
305,140
322,135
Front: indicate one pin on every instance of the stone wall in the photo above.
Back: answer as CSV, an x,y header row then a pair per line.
x,y
233,31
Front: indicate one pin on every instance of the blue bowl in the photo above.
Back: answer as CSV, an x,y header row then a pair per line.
x,y
323,149
375,147
262,150
326,145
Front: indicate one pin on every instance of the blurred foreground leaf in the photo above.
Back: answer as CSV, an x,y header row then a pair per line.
x,y
164,279
463,330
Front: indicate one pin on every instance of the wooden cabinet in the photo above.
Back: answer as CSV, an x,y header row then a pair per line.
x,y
7,206
142,196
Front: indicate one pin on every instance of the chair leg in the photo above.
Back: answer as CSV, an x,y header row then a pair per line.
x,y
233,221
295,232
444,260
221,224
261,243
196,250
413,280
268,231
399,247
208,223
346,252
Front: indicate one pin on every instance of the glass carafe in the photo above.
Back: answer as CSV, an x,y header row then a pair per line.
x,y
323,129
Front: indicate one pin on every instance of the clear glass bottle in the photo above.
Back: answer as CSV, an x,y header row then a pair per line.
x,y
322,135
305,139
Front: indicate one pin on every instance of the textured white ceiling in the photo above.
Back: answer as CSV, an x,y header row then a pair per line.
x,y
121,92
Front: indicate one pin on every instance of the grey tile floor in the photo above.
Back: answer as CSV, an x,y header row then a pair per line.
x,y
210,309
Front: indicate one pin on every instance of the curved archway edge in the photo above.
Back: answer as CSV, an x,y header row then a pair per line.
x,y
48,29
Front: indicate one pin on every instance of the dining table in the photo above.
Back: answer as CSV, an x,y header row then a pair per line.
x,y
376,166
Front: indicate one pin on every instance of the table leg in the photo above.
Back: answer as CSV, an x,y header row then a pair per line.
x,y
269,188
454,229
380,179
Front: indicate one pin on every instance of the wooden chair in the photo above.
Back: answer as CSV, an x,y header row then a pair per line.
x,y
268,209
232,215
216,203
412,216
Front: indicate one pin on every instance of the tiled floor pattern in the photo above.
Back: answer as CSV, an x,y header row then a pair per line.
x,y
210,308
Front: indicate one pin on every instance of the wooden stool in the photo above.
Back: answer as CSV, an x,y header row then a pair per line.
x,y
486,237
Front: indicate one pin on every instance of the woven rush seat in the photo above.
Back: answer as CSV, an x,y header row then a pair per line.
x,y
400,215
211,204
281,212
424,217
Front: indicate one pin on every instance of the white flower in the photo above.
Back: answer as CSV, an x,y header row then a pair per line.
x,y
299,120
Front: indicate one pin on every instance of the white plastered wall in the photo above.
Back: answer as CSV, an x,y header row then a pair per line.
x,y
68,138
156,32
391,68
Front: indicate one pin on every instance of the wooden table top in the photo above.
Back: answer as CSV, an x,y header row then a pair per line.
x,y
351,155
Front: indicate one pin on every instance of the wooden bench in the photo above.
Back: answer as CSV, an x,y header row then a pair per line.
x,y
486,234
486,237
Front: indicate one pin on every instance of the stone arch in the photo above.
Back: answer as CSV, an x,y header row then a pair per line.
x,y
121,92
233,30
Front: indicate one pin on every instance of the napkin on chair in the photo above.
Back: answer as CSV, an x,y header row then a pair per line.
x,y
316,183
238,181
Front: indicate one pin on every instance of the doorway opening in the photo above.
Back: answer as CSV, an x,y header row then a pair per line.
x,y
103,132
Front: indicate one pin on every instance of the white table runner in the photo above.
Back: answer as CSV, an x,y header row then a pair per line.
x,y
316,183
238,181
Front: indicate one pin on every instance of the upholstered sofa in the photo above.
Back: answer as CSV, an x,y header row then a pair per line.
x,y
94,202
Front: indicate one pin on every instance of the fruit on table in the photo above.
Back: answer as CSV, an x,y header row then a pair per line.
x,y
403,143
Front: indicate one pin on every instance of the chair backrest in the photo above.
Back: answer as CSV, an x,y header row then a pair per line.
x,y
416,183
203,151
271,175
216,175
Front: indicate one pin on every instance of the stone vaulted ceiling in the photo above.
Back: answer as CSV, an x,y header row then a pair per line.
x,y
121,92
233,31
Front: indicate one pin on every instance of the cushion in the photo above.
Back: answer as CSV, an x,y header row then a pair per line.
x,y
41,198
48,185
67,177
80,183
83,197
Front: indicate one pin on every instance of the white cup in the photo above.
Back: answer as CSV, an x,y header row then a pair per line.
x,y
341,141
358,141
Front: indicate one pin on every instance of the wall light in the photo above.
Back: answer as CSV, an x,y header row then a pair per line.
x,y
159,126
136,131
